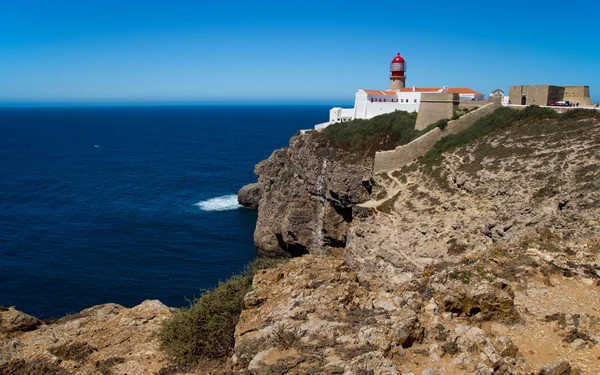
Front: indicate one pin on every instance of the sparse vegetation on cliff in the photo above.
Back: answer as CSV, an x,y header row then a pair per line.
x,y
206,329
383,132
500,119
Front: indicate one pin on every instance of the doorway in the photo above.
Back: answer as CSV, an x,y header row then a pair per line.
x,y
524,100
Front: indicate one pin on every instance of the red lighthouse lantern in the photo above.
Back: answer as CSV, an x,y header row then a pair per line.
x,y
397,69
398,66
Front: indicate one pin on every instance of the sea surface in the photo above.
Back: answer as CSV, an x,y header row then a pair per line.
x,y
124,204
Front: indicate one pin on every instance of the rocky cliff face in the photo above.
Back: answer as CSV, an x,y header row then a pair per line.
x,y
531,180
307,194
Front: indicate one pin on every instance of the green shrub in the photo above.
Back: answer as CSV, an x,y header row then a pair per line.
x,y
384,132
35,366
104,367
77,351
206,328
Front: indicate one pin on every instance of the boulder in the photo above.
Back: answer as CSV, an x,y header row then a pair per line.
x,y
556,368
249,195
13,320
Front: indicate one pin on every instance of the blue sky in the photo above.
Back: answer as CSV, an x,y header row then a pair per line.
x,y
99,51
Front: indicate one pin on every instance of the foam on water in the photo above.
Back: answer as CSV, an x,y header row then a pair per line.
x,y
224,203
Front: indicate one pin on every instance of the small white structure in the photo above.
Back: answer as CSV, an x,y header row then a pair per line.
x,y
497,92
371,103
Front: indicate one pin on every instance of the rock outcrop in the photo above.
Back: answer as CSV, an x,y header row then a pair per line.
x,y
308,191
104,339
13,320
249,196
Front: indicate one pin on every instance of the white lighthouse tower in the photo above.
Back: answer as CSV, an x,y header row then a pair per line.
x,y
397,77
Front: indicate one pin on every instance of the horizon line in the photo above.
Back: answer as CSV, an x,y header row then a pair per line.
x,y
146,103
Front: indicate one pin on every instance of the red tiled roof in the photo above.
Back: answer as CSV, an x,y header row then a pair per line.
x,y
450,90
462,90
421,89
379,92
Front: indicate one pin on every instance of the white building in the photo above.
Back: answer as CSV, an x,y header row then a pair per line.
x,y
371,103
499,93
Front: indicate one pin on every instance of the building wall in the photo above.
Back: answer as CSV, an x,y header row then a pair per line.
x,y
397,83
367,106
547,94
535,94
470,104
403,155
555,94
578,94
435,107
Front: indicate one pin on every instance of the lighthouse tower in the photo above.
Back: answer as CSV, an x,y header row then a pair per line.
x,y
397,77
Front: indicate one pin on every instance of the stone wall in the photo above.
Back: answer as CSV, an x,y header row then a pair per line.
x,y
555,94
403,155
470,104
546,94
536,94
578,94
434,107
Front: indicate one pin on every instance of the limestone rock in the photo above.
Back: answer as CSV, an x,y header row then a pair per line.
x,y
249,195
463,291
110,337
556,368
13,320
307,191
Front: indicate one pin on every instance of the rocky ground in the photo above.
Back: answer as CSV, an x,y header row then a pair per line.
x,y
104,339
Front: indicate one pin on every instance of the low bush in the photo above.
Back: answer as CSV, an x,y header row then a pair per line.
x,y
35,366
104,367
77,351
206,329
383,132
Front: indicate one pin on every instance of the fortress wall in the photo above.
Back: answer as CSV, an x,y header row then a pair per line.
x,y
470,104
434,107
536,94
579,94
403,155
555,94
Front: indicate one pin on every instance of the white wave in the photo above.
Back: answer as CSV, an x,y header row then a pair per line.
x,y
224,203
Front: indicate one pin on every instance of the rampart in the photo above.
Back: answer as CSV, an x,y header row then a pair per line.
x,y
543,95
470,104
403,155
578,94
434,107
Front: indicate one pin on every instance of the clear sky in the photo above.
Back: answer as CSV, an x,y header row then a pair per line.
x,y
197,50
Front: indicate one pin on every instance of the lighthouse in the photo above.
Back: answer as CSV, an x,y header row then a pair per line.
x,y
397,69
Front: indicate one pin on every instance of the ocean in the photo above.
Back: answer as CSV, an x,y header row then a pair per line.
x,y
124,204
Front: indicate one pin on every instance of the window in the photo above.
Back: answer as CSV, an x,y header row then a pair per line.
x,y
415,100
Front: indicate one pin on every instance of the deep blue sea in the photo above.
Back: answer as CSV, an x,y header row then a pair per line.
x,y
123,204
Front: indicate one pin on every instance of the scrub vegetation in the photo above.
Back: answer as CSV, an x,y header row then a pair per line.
x,y
501,119
205,330
384,132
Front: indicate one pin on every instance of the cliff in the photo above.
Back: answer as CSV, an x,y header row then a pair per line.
x,y
307,194
480,260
